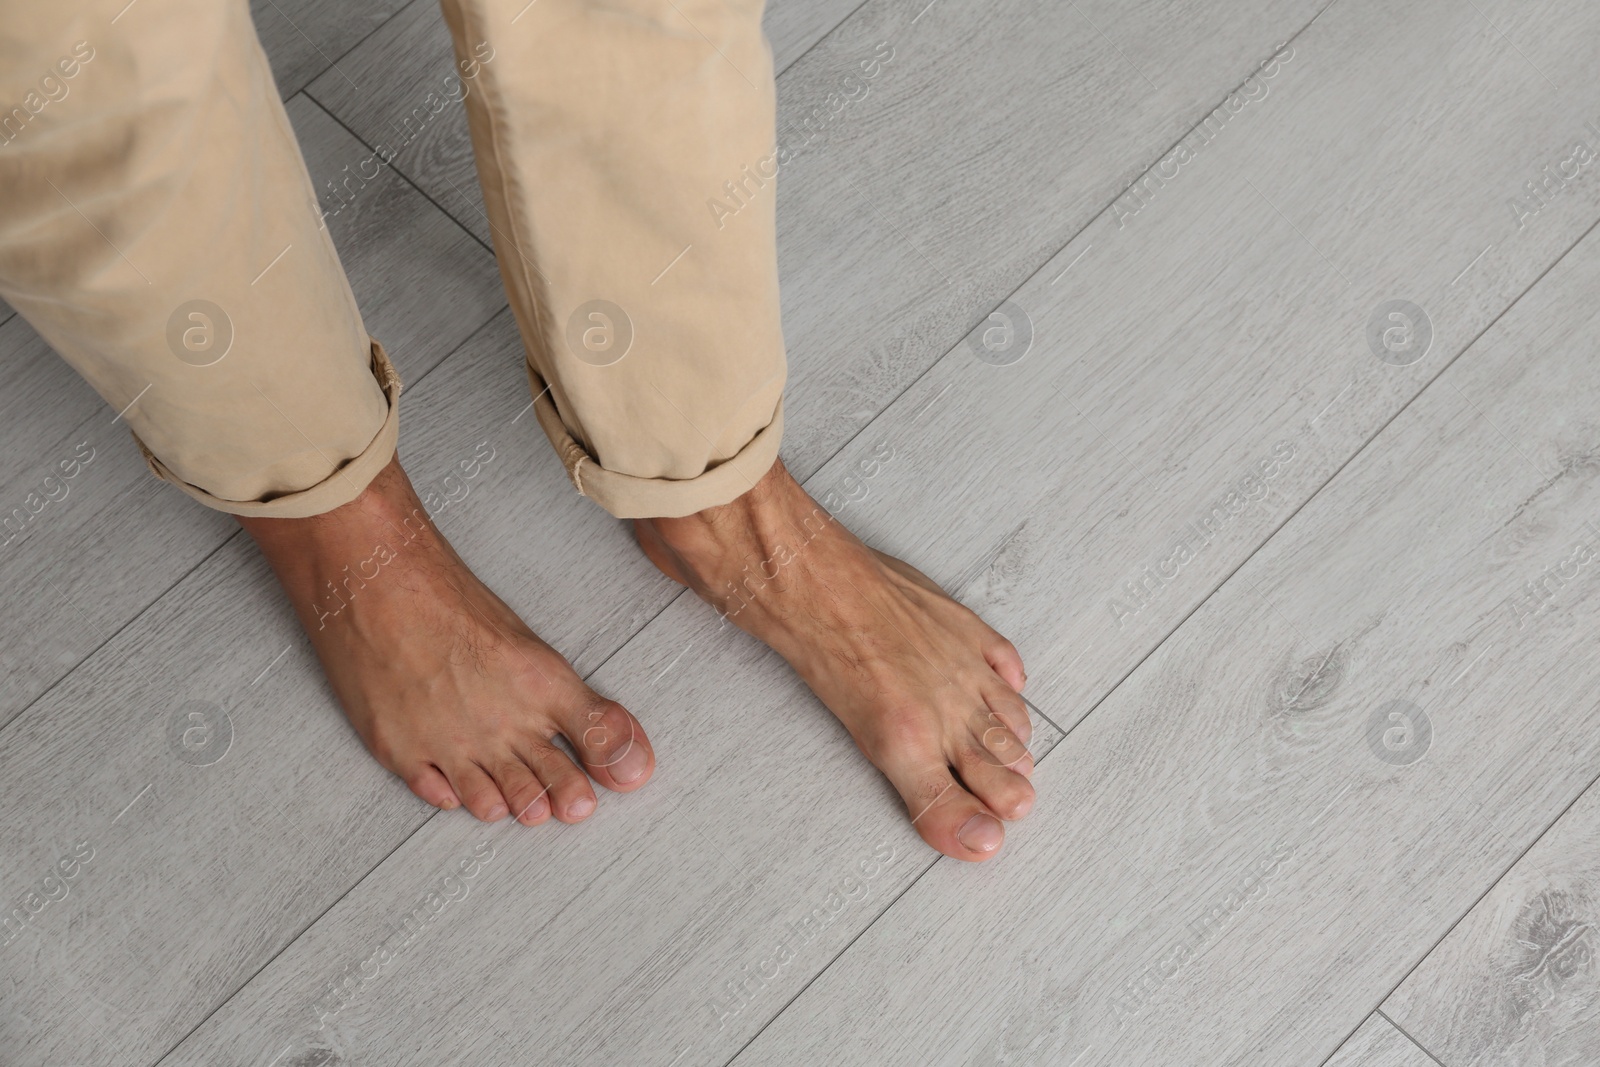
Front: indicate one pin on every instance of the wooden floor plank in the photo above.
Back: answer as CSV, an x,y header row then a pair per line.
x,y
1378,1044
85,564
1038,490
221,864
1250,789
975,154
304,38
382,91
1515,982
794,26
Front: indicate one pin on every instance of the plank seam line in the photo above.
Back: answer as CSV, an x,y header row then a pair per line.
x,y
402,9
1357,453
403,176
5,726
814,45
843,447
1407,1035
1065,732
245,984
305,90
504,301
1038,270
1474,905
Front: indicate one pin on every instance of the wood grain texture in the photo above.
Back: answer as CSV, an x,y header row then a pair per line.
x,y
1244,338
389,79
422,283
694,883
303,38
974,155
1276,868
793,27
190,892
1378,1044
85,565
398,76
1515,982
749,844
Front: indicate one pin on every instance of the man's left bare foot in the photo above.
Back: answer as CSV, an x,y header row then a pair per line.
x,y
928,691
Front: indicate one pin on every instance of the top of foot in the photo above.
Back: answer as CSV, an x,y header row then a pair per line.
x,y
926,689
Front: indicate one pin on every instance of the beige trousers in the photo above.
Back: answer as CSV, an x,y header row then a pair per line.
x,y
158,229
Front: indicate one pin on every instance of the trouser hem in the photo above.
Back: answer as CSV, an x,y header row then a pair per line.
x,y
346,482
626,496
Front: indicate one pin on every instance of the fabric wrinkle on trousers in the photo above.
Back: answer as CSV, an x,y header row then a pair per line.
x,y
158,229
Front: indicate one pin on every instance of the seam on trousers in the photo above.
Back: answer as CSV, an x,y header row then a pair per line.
x,y
491,106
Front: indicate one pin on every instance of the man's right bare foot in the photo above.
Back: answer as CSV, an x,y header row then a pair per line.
x,y
449,689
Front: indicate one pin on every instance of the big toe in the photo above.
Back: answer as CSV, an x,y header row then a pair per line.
x,y
951,819
611,744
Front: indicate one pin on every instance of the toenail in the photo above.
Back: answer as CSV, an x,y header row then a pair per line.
x,y
534,811
630,764
495,813
982,833
581,807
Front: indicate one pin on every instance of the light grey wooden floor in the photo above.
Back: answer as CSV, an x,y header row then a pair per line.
x,y
1310,625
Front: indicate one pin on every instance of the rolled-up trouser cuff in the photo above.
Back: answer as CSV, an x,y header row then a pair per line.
x,y
628,497
342,486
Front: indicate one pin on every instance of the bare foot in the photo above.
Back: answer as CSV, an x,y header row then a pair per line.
x,y
449,689
928,691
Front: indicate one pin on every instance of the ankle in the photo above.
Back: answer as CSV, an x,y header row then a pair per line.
x,y
338,545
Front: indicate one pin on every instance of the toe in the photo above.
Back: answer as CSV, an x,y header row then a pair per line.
x,y
1002,788
611,744
433,787
949,818
1006,661
571,797
521,788
1003,707
477,791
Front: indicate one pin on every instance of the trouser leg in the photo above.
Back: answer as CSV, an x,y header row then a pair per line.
x,y
626,152
158,229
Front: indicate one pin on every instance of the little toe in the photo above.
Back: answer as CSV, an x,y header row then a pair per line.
x,y
611,744
477,791
1001,786
1006,661
571,796
433,787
